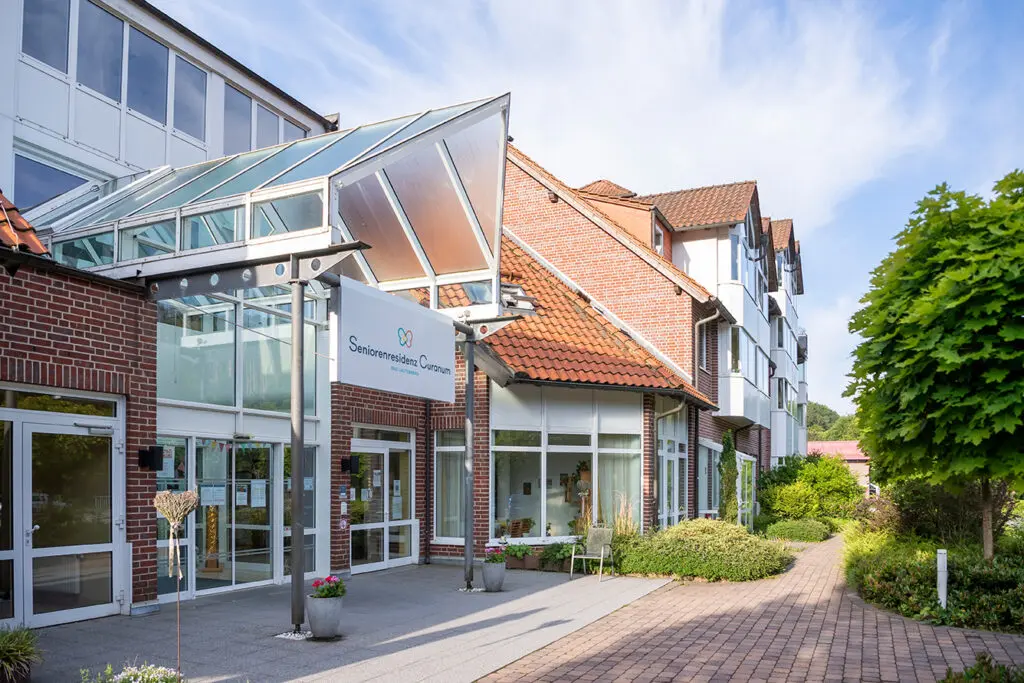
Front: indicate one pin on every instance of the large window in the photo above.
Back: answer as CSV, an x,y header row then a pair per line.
x,y
147,76
237,121
44,32
266,362
709,484
196,350
449,483
266,127
189,99
36,182
100,42
702,346
293,132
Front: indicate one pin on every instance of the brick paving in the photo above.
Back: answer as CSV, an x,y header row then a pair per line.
x,y
803,626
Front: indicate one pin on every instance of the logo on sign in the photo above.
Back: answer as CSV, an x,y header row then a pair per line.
x,y
405,337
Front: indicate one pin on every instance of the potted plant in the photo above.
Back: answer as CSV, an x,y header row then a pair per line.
x,y
494,568
18,652
515,555
323,607
555,557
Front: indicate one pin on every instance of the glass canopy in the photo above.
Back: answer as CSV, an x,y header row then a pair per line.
x,y
424,191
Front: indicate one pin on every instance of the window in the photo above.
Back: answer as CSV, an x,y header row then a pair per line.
x,y
266,362
780,334
736,366
659,241
716,480
44,31
86,252
266,127
100,39
36,182
449,466
517,493
734,243
196,351
147,76
237,121
293,132
288,214
702,346
189,99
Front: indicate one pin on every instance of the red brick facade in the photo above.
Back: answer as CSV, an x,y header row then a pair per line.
x,y
63,332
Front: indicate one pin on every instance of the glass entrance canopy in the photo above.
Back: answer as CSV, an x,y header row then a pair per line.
x,y
424,191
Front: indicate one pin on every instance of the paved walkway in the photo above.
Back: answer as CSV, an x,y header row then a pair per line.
x,y
803,626
408,624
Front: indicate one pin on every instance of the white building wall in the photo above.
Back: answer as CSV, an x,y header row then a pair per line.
x,y
48,115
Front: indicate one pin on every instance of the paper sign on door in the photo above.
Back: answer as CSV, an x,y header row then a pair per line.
x,y
259,493
377,479
241,495
212,495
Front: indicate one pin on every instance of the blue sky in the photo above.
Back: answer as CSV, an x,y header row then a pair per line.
x,y
845,113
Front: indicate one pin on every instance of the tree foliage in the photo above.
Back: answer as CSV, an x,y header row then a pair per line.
x,y
938,379
820,419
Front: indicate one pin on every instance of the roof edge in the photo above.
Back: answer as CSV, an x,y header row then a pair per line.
x,y
679,393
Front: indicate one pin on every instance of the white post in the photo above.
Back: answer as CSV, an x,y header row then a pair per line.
x,y
943,575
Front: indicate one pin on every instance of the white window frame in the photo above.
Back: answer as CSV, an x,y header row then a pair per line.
x,y
435,538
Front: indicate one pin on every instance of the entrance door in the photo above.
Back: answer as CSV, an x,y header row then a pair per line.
x,y
382,509
746,490
72,532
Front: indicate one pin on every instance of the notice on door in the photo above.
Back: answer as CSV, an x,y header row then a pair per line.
x,y
242,495
167,465
259,493
212,495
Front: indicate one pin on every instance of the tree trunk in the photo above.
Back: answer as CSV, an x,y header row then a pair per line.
x,y
986,520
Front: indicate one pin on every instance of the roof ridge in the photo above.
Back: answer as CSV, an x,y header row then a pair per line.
x,y
699,187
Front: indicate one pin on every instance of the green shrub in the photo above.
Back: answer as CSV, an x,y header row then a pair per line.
x,y
703,548
792,501
899,573
946,514
878,513
810,530
833,483
554,554
18,652
518,550
985,670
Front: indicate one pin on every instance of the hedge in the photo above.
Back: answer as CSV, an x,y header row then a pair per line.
x,y
985,670
702,548
810,530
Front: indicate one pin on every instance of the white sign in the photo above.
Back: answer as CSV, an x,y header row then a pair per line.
x,y
259,493
167,466
391,344
212,495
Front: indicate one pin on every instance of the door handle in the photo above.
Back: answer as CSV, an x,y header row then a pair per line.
x,y
29,532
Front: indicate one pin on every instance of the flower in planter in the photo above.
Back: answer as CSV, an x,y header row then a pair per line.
x,y
494,555
328,587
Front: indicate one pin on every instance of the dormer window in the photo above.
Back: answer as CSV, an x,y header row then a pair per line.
x,y
659,241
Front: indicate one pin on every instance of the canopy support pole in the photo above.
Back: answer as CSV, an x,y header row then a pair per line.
x,y
297,477
467,502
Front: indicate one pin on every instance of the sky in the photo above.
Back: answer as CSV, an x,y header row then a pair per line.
x,y
846,113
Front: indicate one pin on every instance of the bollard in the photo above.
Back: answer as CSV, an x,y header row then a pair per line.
x,y
943,576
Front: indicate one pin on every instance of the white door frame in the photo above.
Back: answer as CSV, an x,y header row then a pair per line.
x,y
120,597
384,448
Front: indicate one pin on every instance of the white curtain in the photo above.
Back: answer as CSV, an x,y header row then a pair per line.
x,y
619,485
449,494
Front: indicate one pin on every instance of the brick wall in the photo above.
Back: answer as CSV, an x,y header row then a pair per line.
x,y
64,332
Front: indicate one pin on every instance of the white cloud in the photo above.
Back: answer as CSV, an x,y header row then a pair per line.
x,y
658,95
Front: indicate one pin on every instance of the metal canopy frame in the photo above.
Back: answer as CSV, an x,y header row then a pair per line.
x,y
196,217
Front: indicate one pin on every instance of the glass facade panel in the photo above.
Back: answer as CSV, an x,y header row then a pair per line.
x,y
478,153
618,488
147,76
100,42
511,437
6,505
289,214
619,441
89,574
253,551
27,400
568,439
266,127
172,476
71,501
309,559
196,351
308,489
381,434
449,488
44,31
450,438
368,216
293,132
271,166
237,121
213,517
342,152
517,494
36,182
189,99
209,229
126,205
191,191
565,506
425,122
86,252
146,240
428,198
267,361
367,546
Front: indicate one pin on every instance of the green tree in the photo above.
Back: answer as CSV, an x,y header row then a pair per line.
x,y
938,379
820,419
843,429
728,504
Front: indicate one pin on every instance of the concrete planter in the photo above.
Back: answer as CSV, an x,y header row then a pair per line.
x,y
324,616
494,576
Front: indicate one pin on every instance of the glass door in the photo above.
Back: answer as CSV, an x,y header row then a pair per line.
x,y
746,491
71,532
399,513
251,494
366,510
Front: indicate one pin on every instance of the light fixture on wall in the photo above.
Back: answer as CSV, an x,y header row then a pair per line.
x,y
552,197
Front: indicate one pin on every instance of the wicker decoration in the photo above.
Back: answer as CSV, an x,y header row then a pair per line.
x,y
175,507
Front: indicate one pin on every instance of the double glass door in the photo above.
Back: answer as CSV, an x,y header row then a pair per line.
x,y
61,535
381,509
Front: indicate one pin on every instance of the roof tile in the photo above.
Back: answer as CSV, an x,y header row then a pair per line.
x,y
607,188
710,205
782,230
16,232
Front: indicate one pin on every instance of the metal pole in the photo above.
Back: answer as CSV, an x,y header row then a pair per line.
x,y
467,503
942,576
298,443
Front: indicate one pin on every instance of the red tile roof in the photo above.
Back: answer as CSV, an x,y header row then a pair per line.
x,y
516,153
712,205
782,230
568,340
847,450
16,232
607,188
